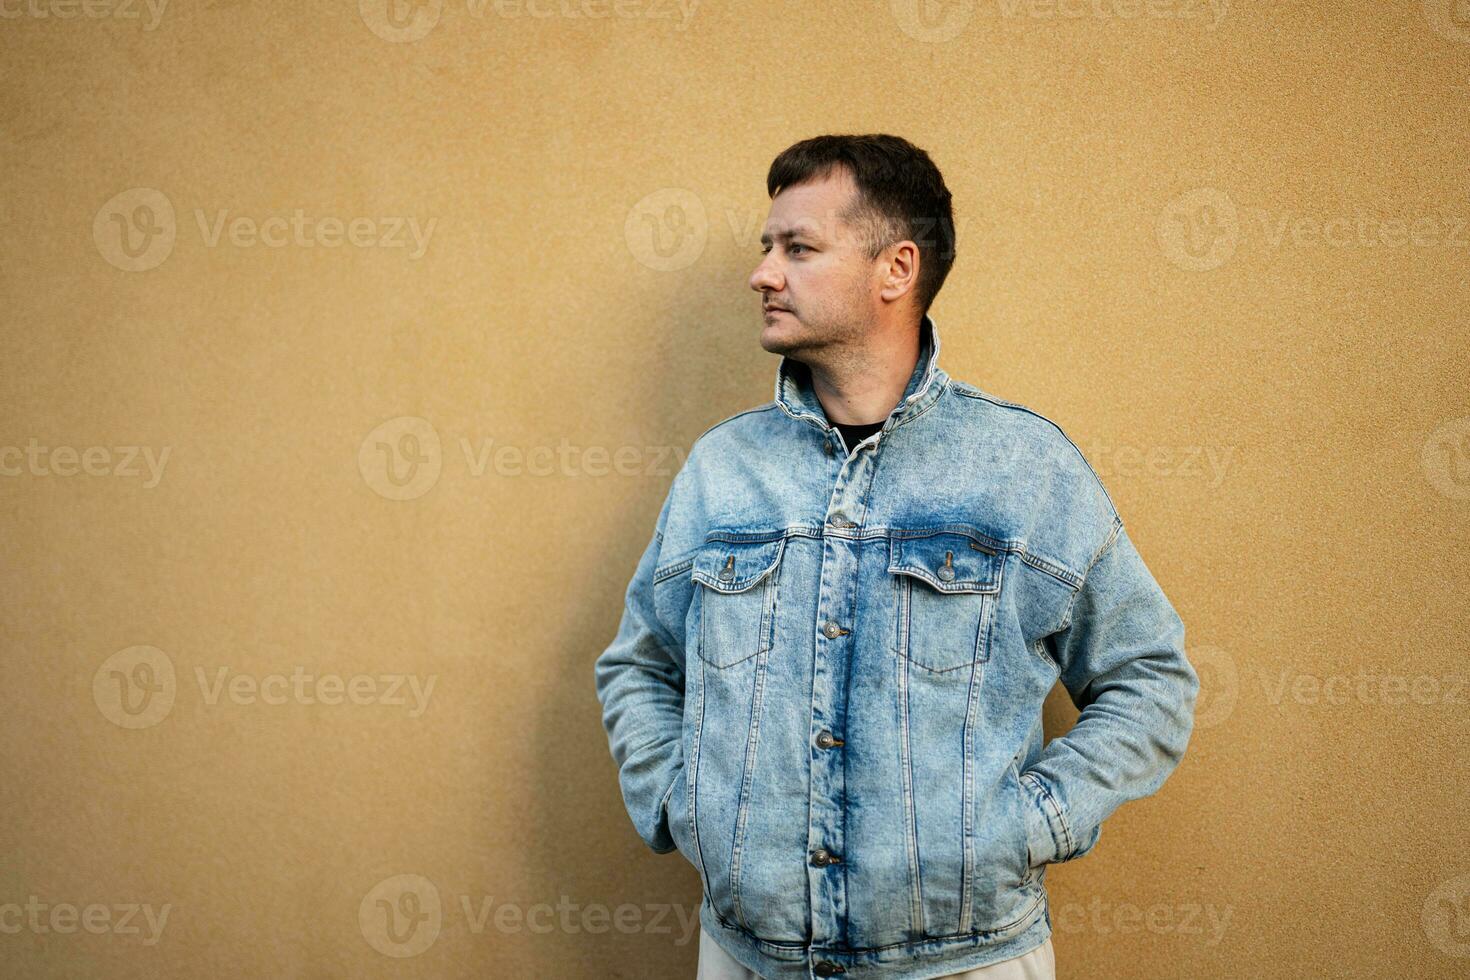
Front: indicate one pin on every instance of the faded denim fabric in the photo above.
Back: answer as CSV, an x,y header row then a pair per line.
x,y
827,684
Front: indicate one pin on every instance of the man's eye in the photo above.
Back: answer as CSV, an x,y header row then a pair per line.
x,y
796,245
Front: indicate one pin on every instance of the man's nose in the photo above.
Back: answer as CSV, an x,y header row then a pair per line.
x,y
765,277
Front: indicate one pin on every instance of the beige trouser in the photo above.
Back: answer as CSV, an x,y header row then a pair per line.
x,y
1039,964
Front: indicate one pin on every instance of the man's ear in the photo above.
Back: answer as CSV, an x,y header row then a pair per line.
x,y
902,275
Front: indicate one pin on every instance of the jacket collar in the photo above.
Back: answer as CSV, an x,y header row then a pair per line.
x,y
797,398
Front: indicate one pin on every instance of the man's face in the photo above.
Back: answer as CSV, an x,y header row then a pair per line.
x,y
816,268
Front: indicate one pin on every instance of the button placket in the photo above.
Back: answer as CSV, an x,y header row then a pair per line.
x,y
839,577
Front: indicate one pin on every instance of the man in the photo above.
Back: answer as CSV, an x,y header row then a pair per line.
x,y
826,688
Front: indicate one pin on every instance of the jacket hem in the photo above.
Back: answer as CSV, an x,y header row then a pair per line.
x,y
923,959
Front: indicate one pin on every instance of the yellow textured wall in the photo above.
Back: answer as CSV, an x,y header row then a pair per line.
x,y
261,682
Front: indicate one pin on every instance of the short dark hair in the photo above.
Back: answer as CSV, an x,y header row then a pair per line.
x,y
901,195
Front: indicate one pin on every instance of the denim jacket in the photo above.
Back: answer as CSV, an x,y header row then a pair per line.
x,y
826,688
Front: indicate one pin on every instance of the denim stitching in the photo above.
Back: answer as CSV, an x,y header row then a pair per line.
x,y
747,778
967,768
910,830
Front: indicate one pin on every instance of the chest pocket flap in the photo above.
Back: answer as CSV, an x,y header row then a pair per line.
x,y
946,583
734,566
737,608
948,561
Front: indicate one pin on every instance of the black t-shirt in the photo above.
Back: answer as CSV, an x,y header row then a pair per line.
x,y
854,434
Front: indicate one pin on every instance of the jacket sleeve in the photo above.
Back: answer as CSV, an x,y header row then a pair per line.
x,y
1121,654
640,683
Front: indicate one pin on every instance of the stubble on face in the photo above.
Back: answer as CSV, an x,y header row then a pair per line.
x,y
831,309
822,336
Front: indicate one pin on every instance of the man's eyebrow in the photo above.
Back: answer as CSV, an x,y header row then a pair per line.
x,y
786,236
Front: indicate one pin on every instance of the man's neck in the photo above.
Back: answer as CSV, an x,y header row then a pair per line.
x,y
864,384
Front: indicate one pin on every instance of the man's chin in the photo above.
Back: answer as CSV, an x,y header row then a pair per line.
x,y
780,334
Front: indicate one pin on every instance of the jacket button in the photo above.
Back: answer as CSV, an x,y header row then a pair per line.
x,y
822,857
827,447
831,630
826,968
945,572
825,740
